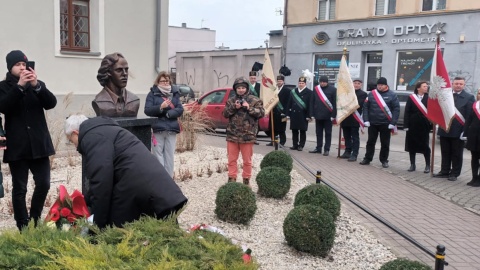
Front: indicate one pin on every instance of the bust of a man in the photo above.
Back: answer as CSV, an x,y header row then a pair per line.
x,y
114,100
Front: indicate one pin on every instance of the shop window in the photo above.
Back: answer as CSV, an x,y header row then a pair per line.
x,y
326,10
327,64
75,25
434,5
412,67
384,7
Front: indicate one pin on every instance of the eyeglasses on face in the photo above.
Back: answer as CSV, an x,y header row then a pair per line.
x,y
163,81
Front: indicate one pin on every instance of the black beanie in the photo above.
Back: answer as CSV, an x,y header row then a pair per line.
x,y
323,79
382,80
14,57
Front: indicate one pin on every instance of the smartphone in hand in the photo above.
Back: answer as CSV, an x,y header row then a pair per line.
x,y
30,64
3,143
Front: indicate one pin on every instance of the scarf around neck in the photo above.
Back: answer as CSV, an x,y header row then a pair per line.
x,y
167,91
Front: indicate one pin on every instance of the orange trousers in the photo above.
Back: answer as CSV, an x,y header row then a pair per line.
x,y
233,150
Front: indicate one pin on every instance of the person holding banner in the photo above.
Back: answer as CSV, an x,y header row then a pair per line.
x,y
380,114
297,111
279,112
472,132
451,144
417,126
351,125
323,107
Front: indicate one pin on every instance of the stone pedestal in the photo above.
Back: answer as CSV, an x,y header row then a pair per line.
x,y
140,127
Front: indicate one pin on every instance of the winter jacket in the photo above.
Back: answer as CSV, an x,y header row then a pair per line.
x,y
125,181
318,110
243,124
168,117
375,115
463,102
25,124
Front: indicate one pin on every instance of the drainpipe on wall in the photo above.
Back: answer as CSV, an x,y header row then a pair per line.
x,y
158,26
283,54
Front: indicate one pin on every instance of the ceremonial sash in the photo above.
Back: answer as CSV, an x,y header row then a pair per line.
x,y
359,119
323,98
383,106
171,104
476,108
459,117
298,100
252,89
418,102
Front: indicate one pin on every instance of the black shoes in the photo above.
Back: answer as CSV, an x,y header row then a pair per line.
x,y
256,143
294,147
352,158
474,183
316,151
365,162
300,148
412,168
345,155
385,164
452,178
441,175
427,169
326,152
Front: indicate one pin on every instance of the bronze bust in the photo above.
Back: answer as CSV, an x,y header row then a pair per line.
x,y
114,100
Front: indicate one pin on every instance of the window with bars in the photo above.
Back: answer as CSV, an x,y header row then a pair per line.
x,y
75,25
384,7
326,10
434,5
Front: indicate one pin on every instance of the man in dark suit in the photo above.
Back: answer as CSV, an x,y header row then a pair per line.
x,y
451,145
253,85
297,110
351,126
279,112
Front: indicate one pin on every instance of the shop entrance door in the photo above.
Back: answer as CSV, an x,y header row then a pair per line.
x,y
373,70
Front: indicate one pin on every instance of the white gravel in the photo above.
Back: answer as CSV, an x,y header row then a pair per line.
x,y
355,247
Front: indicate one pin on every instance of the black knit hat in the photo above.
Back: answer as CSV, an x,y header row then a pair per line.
x,y
14,57
382,80
323,79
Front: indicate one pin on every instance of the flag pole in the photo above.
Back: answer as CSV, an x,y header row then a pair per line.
x,y
434,133
339,127
272,135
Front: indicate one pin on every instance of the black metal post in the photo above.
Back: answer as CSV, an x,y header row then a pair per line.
x,y
275,142
440,257
318,177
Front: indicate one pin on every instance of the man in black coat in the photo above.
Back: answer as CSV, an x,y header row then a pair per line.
x,y
125,181
279,112
323,107
297,111
351,125
23,100
451,145
254,87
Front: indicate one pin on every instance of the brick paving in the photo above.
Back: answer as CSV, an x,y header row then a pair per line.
x,y
430,210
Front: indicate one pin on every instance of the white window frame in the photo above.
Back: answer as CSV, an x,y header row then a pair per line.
x,y
327,10
97,32
434,5
386,5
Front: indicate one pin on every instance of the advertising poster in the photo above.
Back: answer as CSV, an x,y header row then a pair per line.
x,y
328,65
412,67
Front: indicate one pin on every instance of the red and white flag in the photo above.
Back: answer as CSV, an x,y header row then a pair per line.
x,y
441,107
269,90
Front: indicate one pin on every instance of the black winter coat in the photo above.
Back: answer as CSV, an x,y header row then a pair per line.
x,y
318,109
298,115
463,102
167,119
283,96
25,124
472,132
417,138
374,114
350,120
125,180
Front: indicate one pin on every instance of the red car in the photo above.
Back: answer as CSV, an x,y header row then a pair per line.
x,y
214,103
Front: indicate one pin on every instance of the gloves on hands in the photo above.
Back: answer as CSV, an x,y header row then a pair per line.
x,y
405,129
462,138
390,126
366,124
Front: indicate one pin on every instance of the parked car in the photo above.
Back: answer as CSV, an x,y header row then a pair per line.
x,y
403,96
214,102
186,93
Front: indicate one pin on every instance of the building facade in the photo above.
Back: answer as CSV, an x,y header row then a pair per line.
x,y
389,38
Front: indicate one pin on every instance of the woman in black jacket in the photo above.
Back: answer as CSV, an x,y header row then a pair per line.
x,y
23,100
417,126
472,132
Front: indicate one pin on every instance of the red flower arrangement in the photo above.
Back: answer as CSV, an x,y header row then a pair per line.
x,y
67,208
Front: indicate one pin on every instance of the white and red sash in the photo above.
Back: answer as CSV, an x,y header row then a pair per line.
x,y
418,102
459,117
476,108
359,118
323,98
383,106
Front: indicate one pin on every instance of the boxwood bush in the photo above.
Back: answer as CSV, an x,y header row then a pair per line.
x,y
144,244
235,203
310,229
279,158
404,264
319,195
273,182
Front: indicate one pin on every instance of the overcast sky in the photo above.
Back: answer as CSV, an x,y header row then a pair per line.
x,y
238,24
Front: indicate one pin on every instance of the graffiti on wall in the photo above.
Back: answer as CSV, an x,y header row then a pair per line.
x,y
469,85
222,80
190,77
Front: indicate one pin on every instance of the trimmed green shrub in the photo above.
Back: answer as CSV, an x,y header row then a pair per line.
x,y
235,203
404,264
319,195
273,182
310,229
280,159
144,244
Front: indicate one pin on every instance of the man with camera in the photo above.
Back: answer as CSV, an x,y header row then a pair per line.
x,y
23,99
